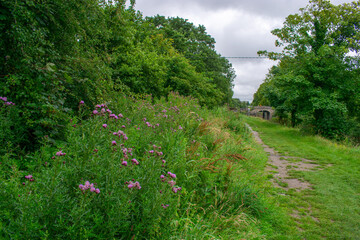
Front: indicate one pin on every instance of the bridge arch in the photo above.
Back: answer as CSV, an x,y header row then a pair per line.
x,y
264,112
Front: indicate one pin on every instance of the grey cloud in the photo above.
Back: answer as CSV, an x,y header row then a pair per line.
x,y
241,33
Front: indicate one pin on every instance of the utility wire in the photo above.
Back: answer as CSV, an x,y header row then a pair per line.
x,y
244,57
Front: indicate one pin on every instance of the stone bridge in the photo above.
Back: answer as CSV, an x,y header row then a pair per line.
x,y
265,112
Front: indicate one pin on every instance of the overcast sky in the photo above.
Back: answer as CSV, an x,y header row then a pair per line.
x,y
240,28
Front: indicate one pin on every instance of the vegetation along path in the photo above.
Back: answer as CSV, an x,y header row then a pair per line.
x,y
322,195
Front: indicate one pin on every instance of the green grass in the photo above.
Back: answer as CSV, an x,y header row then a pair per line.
x,y
220,169
332,208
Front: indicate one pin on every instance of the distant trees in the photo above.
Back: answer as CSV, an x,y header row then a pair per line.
x,y
315,83
56,53
199,49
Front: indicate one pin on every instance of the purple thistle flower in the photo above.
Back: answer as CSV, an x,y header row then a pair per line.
x,y
95,112
135,161
124,163
113,143
136,184
180,128
97,191
172,183
162,176
81,102
172,175
29,177
175,189
104,125
60,153
151,151
120,115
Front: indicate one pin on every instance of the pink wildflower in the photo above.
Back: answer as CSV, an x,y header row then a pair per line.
x,y
60,153
120,115
97,191
175,189
151,151
172,175
81,102
95,112
113,143
135,161
172,183
104,125
162,176
136,184
29,177
124,163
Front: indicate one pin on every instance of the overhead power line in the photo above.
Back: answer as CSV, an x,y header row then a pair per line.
x,y
196,56
245,57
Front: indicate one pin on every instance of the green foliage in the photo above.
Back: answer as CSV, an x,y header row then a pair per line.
x,y
314,83
57,53
154,139
199,48
236,103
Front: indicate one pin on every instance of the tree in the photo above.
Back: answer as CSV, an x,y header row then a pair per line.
x,y
199,48
316,81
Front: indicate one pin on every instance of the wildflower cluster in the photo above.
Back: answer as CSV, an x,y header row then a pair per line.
x,y
170,180
6,101
60,153
88,186
30,178
121,134
133,184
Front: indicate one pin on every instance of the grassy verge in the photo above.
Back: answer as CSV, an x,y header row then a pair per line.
x,y
332,208
135,169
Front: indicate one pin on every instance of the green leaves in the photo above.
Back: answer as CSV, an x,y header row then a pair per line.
x,y
314,81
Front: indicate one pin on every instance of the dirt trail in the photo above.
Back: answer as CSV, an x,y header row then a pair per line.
x,y
281,165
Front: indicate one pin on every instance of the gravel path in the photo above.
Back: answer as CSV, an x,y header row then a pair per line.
x,y
280,165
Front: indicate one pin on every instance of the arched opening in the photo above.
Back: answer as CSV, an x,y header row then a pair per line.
x,y
266,115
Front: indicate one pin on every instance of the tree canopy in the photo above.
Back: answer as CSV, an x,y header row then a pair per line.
x,y
57,53
316,80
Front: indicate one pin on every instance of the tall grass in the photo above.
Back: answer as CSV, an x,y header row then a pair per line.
x,y
135,169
